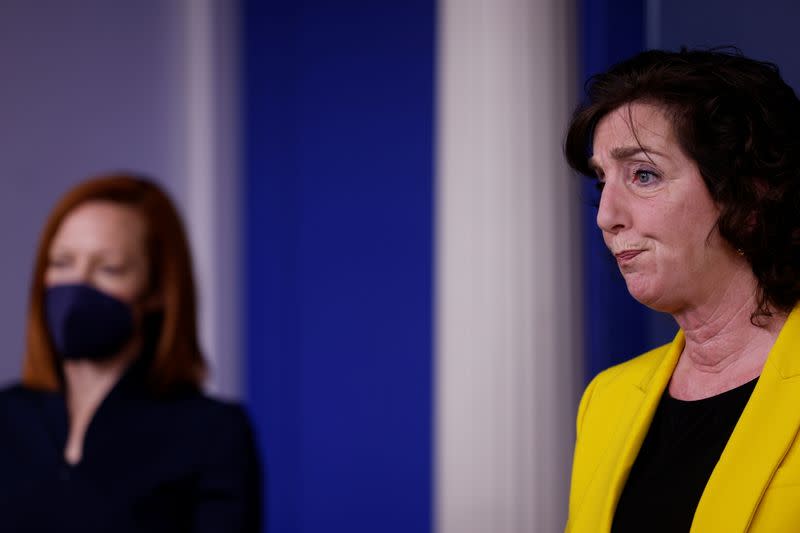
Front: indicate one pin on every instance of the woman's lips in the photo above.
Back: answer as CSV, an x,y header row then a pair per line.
x,y
627,255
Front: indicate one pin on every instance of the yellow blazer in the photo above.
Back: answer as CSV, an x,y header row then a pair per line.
x,y
754,487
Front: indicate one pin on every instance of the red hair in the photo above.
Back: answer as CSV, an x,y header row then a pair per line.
x,y
178,361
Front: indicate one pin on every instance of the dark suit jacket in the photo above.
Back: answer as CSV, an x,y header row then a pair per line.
x,y
185,463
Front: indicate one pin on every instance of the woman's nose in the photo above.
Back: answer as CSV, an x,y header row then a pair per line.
x,y
82,273
612,213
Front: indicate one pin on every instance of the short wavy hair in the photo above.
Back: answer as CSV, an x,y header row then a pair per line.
x,y
740,122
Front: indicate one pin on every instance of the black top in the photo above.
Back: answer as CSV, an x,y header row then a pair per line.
x,y
681,449
186,463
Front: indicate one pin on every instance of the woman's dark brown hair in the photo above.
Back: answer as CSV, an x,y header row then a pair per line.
x,y
740,122
177,361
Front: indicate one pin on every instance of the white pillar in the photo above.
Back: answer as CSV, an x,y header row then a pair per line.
x,y
508,294
213,195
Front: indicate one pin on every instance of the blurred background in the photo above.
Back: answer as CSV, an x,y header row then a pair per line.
x,y
398,275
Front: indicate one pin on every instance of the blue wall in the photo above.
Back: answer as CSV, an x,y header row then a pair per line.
x,y
763,31
338,108
617,327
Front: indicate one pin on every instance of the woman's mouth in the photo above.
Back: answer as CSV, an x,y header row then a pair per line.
x,y
627,255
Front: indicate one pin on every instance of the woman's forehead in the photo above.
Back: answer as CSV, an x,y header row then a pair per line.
x,y
631,128
101,224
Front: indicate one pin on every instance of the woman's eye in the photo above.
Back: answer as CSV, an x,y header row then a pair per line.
x,y
599,179
114,270
644,177
57,263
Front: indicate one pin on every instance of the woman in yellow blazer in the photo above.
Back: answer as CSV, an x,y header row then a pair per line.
x,y
697,155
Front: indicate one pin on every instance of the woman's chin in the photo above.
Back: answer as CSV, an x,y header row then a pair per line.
x,y
647,293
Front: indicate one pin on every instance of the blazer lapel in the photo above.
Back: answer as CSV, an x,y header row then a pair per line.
x,y
765,431
652,387
632,423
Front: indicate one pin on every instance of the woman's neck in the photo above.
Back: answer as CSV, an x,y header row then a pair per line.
x,y
723,349
87,385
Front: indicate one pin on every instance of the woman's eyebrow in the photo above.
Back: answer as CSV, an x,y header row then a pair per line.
x,y
626,152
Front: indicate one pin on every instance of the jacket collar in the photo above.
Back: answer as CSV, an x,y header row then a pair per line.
x,y
647,390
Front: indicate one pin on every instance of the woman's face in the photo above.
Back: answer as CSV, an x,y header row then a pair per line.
x,y
656,214
101,244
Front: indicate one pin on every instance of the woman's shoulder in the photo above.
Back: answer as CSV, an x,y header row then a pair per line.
x,y
617,380
21,405
205,412
13,390
17,393
608,392
632,370
195,400
222,425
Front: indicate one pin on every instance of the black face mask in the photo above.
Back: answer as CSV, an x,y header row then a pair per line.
x,y
85,323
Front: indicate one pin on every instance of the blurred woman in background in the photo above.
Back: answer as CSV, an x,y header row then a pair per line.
x,y
697,155
109,429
